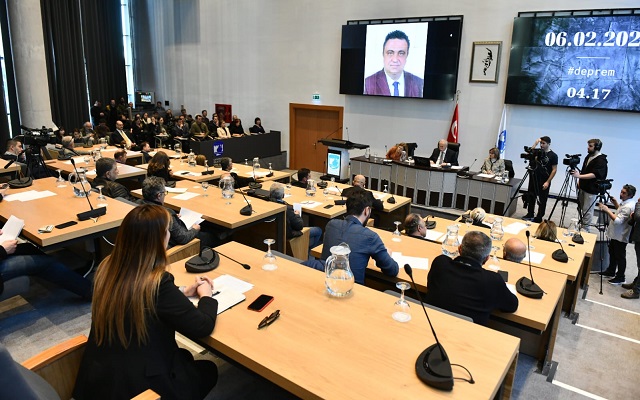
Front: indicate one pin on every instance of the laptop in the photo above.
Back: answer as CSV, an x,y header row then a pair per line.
x,y
421,161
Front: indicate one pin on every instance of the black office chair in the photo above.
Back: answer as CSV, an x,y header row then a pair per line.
x,y
508,165
454,147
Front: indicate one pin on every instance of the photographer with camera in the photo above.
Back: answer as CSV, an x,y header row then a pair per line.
x,y
594,170
543,164
618,232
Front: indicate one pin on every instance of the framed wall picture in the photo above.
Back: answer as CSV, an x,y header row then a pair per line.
x,y
225,109
485,62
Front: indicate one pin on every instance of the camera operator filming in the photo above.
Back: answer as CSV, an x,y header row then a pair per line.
x,y
543,164
594,171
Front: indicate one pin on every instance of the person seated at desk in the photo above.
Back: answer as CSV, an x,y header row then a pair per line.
x,y
303,177
181,129
462,286
395,153
106,174
360,182
547,230
154,192
477,215
199,130
443,156
160,166
226,163
214,123
25,259
236,128
493,164
145,149
294,220
223,131
15,153
514,250
120,156
102,130
415,226
132,345
67,150
257,127
363,242
87,134
119,137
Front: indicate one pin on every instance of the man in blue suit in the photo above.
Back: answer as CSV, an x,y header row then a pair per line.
x,y
393,80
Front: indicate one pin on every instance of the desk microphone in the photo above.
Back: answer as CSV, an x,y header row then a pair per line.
x,y
342,201
467,173
245,266
526,286
246,210
16,159
432,366
559,255
429,224
93,213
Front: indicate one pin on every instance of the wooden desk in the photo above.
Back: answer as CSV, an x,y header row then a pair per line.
x,y
12,168
124,170
215,210
58,209
178,166
247,172
327,348
575,269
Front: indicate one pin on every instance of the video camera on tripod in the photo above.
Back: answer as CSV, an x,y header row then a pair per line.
x,y
572,160
532,155
603,185
37,136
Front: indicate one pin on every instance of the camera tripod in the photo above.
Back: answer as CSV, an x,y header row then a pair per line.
x,y
568,186
535,196
36,168
601,226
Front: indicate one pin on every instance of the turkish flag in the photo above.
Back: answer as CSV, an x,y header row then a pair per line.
x,y
453,128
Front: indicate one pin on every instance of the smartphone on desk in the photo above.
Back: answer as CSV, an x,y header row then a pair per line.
x,y
260,303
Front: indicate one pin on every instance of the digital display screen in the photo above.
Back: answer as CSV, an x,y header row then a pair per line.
x,y
333,163
146,98
411,60
584,62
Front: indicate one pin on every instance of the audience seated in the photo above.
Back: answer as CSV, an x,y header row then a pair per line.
x,y
120,137
294,220
145,149
67,151
226,164
303,177
236,128
120,156
132,344
223,130
15,153
199,129
415,226
478,214
106,174
462,286
181,129
514,250
360,182
160,166
547,230
257,127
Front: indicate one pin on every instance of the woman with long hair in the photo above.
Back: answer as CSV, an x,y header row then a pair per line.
x,y
547,230
136,312
159,166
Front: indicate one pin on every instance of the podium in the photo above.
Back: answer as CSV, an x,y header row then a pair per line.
x,y
338,157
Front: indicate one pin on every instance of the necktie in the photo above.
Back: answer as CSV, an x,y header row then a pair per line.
x,y
127,141
441,158
395,89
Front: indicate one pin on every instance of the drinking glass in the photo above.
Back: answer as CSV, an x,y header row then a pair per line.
x,y
396,233
61,182
87,159
385,189
205,186
101,198
401,309
468,222
246,161
495,262
269,262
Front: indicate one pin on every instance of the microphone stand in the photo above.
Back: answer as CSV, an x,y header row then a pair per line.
x,y
467,174
433,366
93,213
429,224
525,286
245,266
246,210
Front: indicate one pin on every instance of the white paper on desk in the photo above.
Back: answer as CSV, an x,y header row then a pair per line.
x,y
259,174
226,299
175,190
310,204
434,235
334,190
190,218
514,228
536,258
29,195
11,229
512,288
297,207
379,196
485,175
228,282
415,262
76,159
287,195
185,196
91,172
456,167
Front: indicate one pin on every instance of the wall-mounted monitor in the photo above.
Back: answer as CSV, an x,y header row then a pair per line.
x,y
576,61
407,58
144,99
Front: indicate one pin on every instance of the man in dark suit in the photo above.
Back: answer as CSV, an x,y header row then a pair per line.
x,y
442,156
120,137
226,164
360,182
303,177
393,80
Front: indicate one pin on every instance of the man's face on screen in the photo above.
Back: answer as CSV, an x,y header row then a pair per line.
x,y
395,56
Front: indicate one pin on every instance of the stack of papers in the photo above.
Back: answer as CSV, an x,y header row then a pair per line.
x,y
29,195
190,218
186,196
11,229
228,291
414,262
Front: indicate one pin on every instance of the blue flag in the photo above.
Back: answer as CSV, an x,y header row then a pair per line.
x,y
501,142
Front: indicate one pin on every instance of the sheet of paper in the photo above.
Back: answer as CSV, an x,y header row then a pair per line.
x,y
297,207
190,218
175,190
310,204
536,258
512,288
185,196
226,299
287,195
514,228
228,282
29,195
379,196
456,167
334,190
76,159
415,262
11,229
259,174
434,235
91,172
485,175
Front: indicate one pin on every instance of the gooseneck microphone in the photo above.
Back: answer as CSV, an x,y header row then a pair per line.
x,y
93,213
429,224
246,210
559,255
16,159
432,366
525,286
245,266
467,173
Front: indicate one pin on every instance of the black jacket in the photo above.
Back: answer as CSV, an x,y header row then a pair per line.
x,y
450,157
599,166
113,189
377,204
113,372
179,233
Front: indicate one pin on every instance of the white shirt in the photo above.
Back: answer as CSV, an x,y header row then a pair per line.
x,y
400,81
618,228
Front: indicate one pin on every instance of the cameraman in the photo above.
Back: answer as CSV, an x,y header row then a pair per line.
x,y
546,165
594,168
